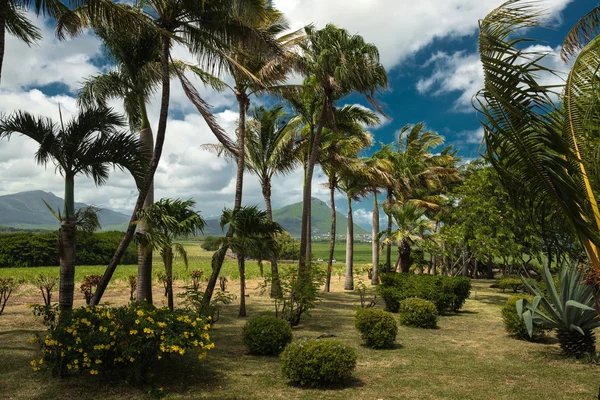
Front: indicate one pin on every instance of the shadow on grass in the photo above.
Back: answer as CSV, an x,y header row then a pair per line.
x,y
350,383
491,299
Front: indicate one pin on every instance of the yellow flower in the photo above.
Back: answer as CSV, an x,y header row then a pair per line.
x,y
131,359
161,324
75,361
41,361
159,357
201,356
133,332
93,372
98,361
137,321
140,313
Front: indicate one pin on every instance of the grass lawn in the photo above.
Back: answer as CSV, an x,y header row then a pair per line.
x,y
468,357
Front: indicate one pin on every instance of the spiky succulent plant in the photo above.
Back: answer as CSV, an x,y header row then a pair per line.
x,y
569,309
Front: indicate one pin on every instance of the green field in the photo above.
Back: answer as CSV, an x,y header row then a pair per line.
x,y
198,259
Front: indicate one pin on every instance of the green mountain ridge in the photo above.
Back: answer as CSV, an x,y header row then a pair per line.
x,y
27,211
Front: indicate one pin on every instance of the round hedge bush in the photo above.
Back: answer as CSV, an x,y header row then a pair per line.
x,y
377,327
267,335
418,312
513,324
317,362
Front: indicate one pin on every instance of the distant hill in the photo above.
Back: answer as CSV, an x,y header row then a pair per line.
x,y
26,210
290,217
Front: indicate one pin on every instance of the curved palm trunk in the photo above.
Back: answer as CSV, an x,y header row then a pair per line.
x,y
66,243
242,269
219,256
158,147
404,251
305,239
275,283
331,234
349,281
375,241
388,250
144,287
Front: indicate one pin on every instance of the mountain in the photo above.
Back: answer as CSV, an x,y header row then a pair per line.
x,y
290,218
26,210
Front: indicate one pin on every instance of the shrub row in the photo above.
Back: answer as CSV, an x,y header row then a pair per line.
x,y
41,249
445,292
514,324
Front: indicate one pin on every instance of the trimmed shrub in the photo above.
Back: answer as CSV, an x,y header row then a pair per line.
x,y
378,328
317,362
419,313
125,341
267,335
513,283
447,293
514,324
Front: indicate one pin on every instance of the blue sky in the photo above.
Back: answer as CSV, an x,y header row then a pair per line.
x,y
429,48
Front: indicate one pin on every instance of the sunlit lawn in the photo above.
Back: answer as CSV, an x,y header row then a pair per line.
x,y
469,357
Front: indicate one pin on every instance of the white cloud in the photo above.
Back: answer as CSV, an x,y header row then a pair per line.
x,y
463,74
399,28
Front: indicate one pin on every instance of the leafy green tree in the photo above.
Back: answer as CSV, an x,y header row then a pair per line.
x,y
88,144
254,235
170,219
210,243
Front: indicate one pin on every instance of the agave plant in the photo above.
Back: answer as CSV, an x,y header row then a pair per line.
x,y
568,308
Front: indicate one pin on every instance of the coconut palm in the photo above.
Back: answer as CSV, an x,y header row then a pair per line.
x,y
88,144
269,150
411,227
206,28
545,153
170,219
253,236
339,64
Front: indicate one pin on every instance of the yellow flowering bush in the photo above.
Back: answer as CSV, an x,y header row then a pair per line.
x,y
126,339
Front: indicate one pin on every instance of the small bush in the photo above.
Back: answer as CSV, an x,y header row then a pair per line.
x,y
378,328
514,324
88,286
419,313
125,341
513,283
317,362
7,286
132,279
46,284
267,335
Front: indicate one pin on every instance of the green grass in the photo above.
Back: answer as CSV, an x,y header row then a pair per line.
x,y
468,357
362,252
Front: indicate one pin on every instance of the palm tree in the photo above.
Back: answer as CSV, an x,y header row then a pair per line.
x,y
544,152
411,227
170,219
338,154
206,28
339,64
269,150
137,74
88,144
253,236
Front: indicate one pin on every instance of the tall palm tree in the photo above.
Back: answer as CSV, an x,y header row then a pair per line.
x,y
170,219
411,226
339,64
338,153
269,150
253,236
545,153
88,144
134,80
207,29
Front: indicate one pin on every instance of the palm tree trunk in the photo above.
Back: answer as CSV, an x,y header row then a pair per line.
x,y
388,250
404,251
144,287
158,147
331,234
3,12
305,238
219,256
375,241
349,282
275,283
242,269
66,242
167,257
